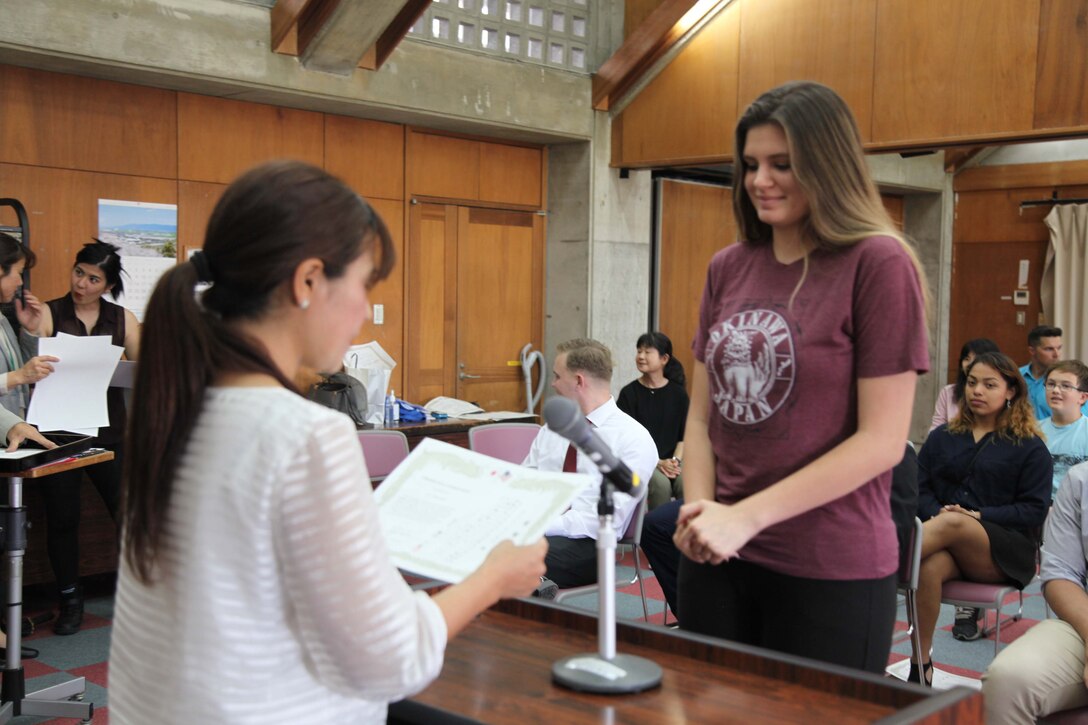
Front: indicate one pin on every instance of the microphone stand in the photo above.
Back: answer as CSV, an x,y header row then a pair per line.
x,y
604,671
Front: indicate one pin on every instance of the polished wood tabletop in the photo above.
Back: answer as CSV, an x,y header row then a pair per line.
x,y
499,671
64,464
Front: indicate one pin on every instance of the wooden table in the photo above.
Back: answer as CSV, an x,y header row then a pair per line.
x,y
499,671
55,701
451,430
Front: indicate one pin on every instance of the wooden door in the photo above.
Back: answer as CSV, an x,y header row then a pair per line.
x,y
430,334
500,296
475,298
984,277
696,221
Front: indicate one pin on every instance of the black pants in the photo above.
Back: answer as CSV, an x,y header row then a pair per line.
x,y
846,623
571,562
61,492
657,530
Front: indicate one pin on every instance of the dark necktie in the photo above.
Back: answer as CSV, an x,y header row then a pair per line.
x,y
570,462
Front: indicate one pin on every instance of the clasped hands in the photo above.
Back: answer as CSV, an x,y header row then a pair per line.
x,y
708,532
956,508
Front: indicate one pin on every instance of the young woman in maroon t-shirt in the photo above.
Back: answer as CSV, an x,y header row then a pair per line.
x,y
810,341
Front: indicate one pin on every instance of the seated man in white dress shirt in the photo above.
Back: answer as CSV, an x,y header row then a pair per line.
x,y
583,373
1046,669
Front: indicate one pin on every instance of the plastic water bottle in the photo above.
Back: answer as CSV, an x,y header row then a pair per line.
x,y
396,407
390,408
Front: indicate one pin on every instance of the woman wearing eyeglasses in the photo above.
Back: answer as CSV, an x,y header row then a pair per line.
x,y
983,492
1066,430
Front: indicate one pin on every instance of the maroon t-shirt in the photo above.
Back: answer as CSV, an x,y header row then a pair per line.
x,y
783,386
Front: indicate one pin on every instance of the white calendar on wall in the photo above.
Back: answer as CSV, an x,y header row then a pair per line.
x,y
146,235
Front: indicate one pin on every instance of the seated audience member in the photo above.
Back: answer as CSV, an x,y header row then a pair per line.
x,y
1044,670
1045,349
983,492
950,398
658,401
583,373
1066,430
255,586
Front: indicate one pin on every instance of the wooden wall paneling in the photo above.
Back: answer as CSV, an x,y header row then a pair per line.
x,y
511,174
696,222
1061,75
390,294
1021,176
62,205
196,201
995,215
953,69
443,166
894,206
368,155
830,41
664,125
984,276
218,139
65,121
431,302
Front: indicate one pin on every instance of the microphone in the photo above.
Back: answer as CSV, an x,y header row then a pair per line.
x,y
563,416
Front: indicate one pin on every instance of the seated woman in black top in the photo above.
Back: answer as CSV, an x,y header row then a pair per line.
x,y
657,399
983,491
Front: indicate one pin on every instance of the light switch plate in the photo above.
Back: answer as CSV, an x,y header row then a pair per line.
x,y
379,314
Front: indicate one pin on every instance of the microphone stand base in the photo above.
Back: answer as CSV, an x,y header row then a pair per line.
x,y
589,672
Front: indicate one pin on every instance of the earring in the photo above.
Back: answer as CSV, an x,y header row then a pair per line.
x,y
1008,403
304,304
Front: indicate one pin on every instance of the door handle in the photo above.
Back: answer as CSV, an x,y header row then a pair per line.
x,y
463,375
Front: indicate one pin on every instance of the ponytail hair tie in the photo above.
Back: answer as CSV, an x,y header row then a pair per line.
x,y
200,263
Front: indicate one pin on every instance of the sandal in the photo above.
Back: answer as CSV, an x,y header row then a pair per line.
x,y
916,676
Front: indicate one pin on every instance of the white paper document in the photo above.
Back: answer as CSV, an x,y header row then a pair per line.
x,y
73,397
445,508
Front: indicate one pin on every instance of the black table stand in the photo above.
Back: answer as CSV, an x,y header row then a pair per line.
x,y
63,700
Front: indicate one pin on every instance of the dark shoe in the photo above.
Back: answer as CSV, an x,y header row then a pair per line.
x,y
547,589
70,617
915,674
26,653
966,627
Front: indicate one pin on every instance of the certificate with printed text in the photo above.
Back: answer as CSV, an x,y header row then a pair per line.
x,y
445,507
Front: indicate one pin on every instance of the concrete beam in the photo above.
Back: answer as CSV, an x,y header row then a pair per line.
x,y
221,48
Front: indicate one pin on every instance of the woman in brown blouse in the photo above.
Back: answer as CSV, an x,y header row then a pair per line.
x,y
81,312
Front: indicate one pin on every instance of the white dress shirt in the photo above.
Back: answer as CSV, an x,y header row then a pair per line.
x,y
629,441
275,600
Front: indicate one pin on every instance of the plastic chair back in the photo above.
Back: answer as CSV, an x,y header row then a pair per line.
x,y
383,451
506,441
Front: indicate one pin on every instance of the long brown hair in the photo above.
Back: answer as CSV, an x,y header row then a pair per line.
x,y
268,221
1017,420
829,164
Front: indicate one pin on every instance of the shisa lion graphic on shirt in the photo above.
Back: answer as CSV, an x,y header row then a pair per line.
x,y
751,359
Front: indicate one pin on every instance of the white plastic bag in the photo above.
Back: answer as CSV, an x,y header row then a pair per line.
x,y
371,365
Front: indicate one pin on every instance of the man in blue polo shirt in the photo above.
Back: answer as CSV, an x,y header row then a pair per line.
x,y
1045,349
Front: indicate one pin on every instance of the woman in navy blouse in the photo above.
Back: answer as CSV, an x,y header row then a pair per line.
x,y
983,492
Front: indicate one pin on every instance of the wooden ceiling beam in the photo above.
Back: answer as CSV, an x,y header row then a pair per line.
x,y
956,158
651,40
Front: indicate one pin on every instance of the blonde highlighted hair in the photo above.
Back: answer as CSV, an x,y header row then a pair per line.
x,y
1017,421
585,355
828,162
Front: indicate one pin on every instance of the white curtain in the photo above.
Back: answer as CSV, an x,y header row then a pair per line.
x,y
1065,275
